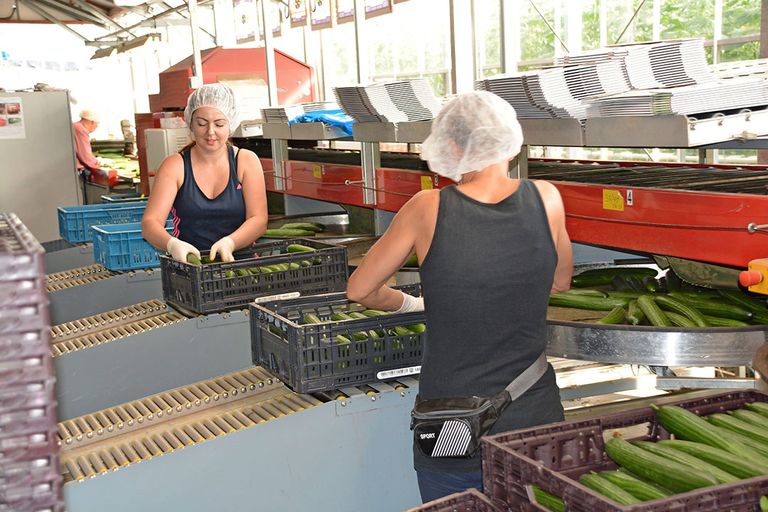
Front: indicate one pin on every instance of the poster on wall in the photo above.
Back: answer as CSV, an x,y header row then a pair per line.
x,y
321,14
298,10
11,118
377,7
246,21
345,10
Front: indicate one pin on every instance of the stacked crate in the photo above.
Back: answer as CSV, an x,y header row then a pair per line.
x,y
30,479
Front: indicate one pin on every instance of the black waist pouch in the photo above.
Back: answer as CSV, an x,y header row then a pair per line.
x,y
452,427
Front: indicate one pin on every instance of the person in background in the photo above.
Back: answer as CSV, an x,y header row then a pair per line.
x,y
82,130
491,250
129,136
215,191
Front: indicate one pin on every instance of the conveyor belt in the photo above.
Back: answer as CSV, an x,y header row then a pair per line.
x,y
78,276
111,325
737,181
156,425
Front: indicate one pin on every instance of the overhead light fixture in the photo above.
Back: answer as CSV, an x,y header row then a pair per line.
x,y
104,52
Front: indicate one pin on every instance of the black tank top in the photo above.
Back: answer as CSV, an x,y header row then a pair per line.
x,y
201,221
486,282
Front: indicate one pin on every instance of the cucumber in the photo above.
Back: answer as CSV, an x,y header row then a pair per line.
x,y
726,461
603,276
374,312
679,320
716,321
343,340
652,311
340,317
229,274
740,426
566,300
714,308
757,446
640,489
624,295
589,292
608,489
411,262
758,407
740,299
357,314
416,328
306,226
193,259
311,318
299,248
548,501
750,417
687,459
672,475
616,316
763,503
287,233
686,425
243,272
635,315
651,284
671,304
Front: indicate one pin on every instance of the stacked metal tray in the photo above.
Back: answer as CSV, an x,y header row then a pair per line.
x,y
29,466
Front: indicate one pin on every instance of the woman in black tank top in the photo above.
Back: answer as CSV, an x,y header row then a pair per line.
x,y
214,192
491,250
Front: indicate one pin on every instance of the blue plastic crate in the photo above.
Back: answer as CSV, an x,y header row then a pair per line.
x,y
75,221
121,247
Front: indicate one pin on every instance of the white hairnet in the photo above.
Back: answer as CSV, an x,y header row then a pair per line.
x,y
90,115
471,132
218,96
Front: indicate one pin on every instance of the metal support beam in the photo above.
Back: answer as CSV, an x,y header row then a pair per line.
x,y
370,153
99,14
33,6
671,383
196,80
462,47
361,43
269,51
510,36
279,159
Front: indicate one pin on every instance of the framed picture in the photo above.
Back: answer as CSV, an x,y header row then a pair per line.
x,y
377,7
246,21
345,10
321,12
298,11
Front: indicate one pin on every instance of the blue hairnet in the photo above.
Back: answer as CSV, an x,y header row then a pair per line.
x,y
218,96
471,132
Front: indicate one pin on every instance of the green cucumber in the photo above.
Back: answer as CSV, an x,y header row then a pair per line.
x,y
411,262
687,459
625,295
307,226
340,317
740,299
716,321
357,314
635,315
299,248
758,407
417,328
728,462
343,340
679,320
566,300
548,501
311,318
287,233
374,312
757,446
671,304
193,259
672,475
640,489
652,311
617,315
589,292
305,263
714,308
750,417
607,488
739,426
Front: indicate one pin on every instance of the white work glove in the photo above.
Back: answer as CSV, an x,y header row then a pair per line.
x,y
411,303
224,247
179,249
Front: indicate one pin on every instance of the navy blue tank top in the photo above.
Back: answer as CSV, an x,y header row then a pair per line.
x,y
201,221
486,282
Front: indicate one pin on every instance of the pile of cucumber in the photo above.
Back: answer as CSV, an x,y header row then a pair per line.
x,y
292,229
706,451
634,296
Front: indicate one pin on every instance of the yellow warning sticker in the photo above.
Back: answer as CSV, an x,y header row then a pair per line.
x,y
612,200
426,183
317,171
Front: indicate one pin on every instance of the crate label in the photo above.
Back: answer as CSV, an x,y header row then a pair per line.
x,y
612,200
279,296
399,372
317,171
426,183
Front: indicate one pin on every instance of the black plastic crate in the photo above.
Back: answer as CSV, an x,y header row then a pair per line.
x,y
470,500
310,357
218,287
554,456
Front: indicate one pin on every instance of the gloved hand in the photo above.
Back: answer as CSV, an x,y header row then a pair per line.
x,y
179,249
224,247
411,303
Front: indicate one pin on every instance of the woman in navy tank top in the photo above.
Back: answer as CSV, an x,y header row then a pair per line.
x,y
491,249
214,191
